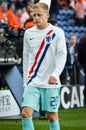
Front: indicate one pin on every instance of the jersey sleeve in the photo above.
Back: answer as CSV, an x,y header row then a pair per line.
x,y
25,58
61,55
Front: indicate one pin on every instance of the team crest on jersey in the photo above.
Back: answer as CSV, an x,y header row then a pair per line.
x,y
50,38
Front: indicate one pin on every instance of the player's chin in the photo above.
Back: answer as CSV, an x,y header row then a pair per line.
x,y
38,25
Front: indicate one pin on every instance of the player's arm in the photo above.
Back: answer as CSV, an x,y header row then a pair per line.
x,y
25,58
61,58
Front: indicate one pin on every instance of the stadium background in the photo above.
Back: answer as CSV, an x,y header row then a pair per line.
x,y
72,111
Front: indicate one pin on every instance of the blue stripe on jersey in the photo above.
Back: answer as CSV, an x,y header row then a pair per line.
x,y
39,63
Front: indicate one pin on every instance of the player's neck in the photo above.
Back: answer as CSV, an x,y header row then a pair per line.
x,y
43,27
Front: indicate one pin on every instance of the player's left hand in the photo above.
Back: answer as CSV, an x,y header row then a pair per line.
x,y
52,80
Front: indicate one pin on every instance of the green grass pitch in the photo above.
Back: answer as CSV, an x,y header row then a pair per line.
x,y
71,119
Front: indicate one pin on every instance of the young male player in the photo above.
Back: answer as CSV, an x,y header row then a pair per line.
x,y
44,57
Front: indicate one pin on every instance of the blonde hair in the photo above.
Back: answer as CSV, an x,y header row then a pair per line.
x,y
40,5
73,35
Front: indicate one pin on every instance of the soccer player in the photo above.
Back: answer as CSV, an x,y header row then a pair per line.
x,y
44,57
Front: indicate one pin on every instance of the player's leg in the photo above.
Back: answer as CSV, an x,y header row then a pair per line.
x,y
50,103
30,102
27,118
53,120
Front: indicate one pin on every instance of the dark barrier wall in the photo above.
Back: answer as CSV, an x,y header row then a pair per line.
x,y
15,83
13,79
72,97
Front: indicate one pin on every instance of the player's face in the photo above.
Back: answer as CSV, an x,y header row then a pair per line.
x,y
40,17
73,39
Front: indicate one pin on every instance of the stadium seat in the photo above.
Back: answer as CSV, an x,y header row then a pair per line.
x,y
65,23
70,12
59,17
81,29
62,12
76,29
71,29
60,23
65,28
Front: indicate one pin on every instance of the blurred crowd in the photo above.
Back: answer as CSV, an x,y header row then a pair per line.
x,y
16,12
79,7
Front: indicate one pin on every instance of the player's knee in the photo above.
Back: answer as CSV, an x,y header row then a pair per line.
x,y
26,113
52,117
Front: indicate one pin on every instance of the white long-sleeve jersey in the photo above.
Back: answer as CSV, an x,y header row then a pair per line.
x,y
44,55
